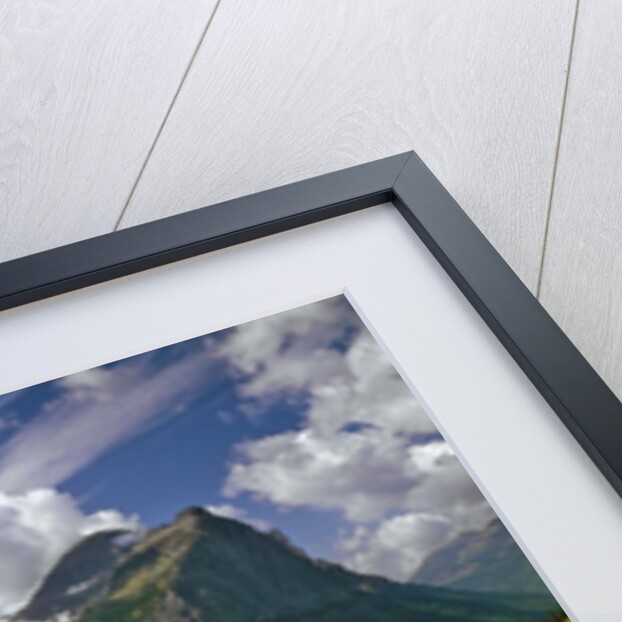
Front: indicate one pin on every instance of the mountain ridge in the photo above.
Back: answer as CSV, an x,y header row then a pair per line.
x,y
204,567
488,560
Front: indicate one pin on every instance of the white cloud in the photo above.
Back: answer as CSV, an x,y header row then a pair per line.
x,y
226,511
8,419
290,350
230,511
363,474
7,398
355,452
367,390
10,422
397,546
36,529
294,352
96,410
404,501
360,450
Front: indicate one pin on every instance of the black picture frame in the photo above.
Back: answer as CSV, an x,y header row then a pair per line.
x,y
572,388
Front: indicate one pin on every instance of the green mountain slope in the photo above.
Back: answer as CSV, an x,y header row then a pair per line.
x,y
203,568
486,561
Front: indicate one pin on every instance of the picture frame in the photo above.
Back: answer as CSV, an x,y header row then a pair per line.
x,y
403,186
581,399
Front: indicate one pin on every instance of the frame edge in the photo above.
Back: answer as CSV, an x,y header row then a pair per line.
x,y
562,375
153,244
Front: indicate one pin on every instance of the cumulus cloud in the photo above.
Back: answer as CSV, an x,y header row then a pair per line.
x,y
397,546
367,448
290,351
363,474
94,411
296,352
404,501
36,529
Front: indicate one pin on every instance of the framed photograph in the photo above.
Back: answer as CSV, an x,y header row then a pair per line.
x,y
329,401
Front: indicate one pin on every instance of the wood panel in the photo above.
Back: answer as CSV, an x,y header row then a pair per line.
x,y
281,91
582,275
84,87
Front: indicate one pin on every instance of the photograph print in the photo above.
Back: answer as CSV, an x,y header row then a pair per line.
x,y
276,471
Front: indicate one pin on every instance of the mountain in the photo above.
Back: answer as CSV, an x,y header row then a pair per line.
x,y
77,578
483,561
207,568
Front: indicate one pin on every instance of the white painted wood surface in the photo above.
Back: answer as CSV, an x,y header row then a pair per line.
x,y
284,90
582,275
279,91
84,87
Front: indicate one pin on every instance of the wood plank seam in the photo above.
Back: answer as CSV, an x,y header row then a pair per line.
x,y
306,119
547,218
166,115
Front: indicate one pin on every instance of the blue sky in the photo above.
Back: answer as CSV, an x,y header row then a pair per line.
x,y
297,421
184,462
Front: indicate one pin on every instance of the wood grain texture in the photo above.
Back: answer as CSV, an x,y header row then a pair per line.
x,y
84,87
282,91
582,275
